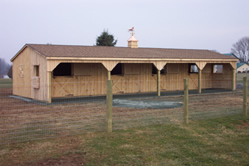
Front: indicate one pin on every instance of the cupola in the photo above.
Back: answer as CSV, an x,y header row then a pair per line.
x,y
132,42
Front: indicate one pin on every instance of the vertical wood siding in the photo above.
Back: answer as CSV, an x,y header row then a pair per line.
x,y
136,78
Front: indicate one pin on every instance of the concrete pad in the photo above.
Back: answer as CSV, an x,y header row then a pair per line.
x,y
153,104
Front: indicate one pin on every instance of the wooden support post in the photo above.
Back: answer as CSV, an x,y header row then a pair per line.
x,y
158,83
108,75
199,80
49,87
234,79
109,106
245,90
186,101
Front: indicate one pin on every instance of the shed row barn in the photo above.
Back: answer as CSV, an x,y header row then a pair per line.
x,y
42,72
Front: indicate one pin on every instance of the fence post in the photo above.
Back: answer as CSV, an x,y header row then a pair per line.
x,y
245,89
186,101
109,106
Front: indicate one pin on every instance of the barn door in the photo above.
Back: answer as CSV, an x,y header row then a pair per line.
x,y
62,86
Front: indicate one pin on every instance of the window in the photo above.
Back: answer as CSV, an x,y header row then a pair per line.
x,y
218,69
63,69
118,69
36,70
193,68
154,70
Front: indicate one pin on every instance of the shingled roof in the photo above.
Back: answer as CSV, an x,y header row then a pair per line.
x,y
123,52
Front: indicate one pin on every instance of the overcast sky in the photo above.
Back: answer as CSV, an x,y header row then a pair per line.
x,y
188,24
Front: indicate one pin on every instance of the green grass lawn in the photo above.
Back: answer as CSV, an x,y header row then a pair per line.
x,y
5,83
240,77
221,141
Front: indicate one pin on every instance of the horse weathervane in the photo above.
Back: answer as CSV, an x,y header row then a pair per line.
x,y
132,31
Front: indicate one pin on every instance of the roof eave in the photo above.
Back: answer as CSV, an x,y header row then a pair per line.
x,y
137,59
24,47
14,57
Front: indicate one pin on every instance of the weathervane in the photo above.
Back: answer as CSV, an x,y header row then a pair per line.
x,y
131,31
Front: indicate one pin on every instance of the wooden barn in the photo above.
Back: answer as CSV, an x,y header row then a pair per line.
x,y
42,72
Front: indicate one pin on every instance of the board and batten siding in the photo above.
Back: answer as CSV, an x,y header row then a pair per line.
x,y
25,81
90,79
39,83
224,79
21,74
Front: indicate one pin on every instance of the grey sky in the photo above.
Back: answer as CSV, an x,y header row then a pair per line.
x,y
191,24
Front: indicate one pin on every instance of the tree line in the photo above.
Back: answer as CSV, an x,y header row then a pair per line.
x,y
4,68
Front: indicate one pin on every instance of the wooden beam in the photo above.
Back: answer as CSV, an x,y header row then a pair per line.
x,y
201,65
51,65
108,75
109,65
49,86
199,81
234,79
158,83
149,60
234,65
159,65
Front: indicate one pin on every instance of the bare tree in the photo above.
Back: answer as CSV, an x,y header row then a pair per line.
x,y
241,49
0,68
4,67
10,72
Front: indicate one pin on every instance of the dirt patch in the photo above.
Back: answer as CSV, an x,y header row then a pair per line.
x,y
73,160
242,125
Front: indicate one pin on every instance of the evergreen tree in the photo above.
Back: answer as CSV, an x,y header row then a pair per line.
x,y
105,39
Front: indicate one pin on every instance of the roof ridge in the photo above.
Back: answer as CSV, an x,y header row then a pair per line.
x,y
121,47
